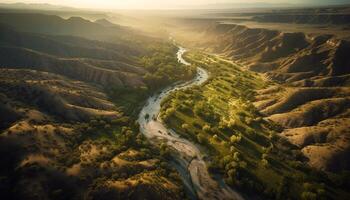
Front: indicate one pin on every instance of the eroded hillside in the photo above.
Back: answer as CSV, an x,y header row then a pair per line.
x,y
67,110
310,98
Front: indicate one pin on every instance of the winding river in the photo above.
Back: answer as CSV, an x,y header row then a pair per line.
x,y
188,159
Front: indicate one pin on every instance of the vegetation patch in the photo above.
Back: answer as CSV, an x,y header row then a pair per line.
x,y
162,69
241,145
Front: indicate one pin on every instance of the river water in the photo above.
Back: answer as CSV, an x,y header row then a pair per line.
x,y
188,159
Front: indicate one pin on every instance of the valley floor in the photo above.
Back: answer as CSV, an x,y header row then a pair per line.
x,y
243,146
188,156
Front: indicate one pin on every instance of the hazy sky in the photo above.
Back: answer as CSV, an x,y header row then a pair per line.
x,y
116,4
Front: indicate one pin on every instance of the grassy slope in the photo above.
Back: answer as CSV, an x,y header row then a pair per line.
x,y
212,114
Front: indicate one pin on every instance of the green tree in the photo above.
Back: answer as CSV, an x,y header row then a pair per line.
x,y
185,126
201,138
308,196
206,128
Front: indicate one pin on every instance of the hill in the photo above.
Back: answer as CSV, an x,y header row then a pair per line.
x,y
69,93
105,22
312,73
73,26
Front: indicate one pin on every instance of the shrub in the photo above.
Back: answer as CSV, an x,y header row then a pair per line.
x,y
231,165
185,126
236,156
206,128
248,120
243,164
93,122
168,113
232,149
102,122
185,109
120,121
147,116
233,139
308,196
215,137
201,138
264,162
264,156
232,123
196,124
236,139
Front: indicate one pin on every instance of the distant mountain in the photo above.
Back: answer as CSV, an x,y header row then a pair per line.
x,y
242,5
105,22
51,24
35,6
304,18
265,5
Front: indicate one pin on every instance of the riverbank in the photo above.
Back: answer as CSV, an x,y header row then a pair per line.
x,y
197,179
